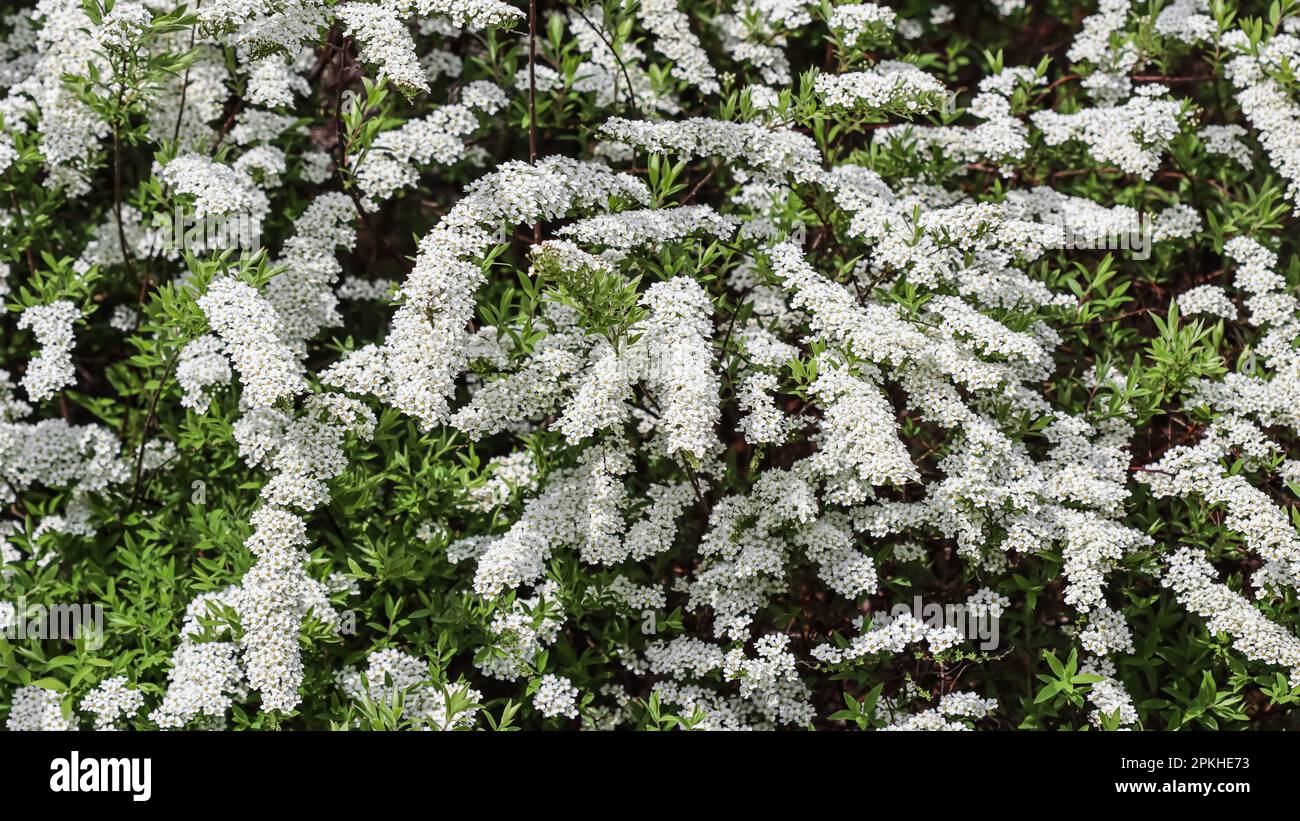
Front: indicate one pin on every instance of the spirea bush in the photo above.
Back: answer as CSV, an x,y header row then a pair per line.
x,y
653,364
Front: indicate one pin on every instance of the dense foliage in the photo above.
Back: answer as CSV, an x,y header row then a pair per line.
x,y
648,364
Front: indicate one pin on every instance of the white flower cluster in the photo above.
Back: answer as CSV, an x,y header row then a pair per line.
x,y
1002,138
770,692
581,507
774,152
251,332
1210,300
675,40
682,373
769,680
51,370
556,696
1187,21
513,473
37,709
474,14
217,189
755,33
390,672
122,26
1264,526
763,423
112,700
1226,141
841,564
520,633
1107,633
52,453
1101,43
889,86
416,367
302,295
386,42
1108,696
1133,136
627,230
858,444
609,74
952,705
860,25
890,636
844,347
364,290
203,682
1191,577
276,595
393,161
201,365
1267,105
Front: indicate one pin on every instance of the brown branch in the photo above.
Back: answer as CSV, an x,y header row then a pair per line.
x,y
532,100
148,427
1160,78
1103,320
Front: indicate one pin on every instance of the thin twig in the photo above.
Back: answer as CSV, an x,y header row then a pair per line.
x,y
1103,320
532,82
185,83
127,258
631,93
1160,78
532,100
701,183
148,427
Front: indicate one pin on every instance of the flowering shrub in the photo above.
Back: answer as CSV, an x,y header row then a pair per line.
x,y
649,364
